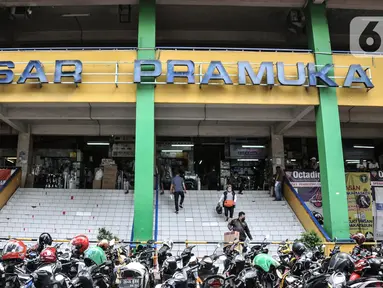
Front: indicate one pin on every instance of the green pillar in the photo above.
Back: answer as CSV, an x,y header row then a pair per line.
x,y
335,207
144,162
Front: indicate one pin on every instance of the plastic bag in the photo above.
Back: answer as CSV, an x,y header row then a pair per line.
x,y
99,174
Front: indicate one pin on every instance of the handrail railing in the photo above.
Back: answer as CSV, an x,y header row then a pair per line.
x,y
197,48
308,211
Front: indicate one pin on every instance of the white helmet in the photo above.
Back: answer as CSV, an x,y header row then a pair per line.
x,y
168,243
337,280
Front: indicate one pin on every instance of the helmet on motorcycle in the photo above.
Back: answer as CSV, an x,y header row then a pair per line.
x,y
318,217
94,255
359,238
374,264
45,239
103,244
48,255
218,209
14,250
337,280
79,243
341,262
298,248
265,262
169,243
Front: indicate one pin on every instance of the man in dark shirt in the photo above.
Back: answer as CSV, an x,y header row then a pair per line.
x,y
178,189
240,226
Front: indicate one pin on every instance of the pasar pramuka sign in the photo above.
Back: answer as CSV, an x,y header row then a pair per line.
x,y
247,73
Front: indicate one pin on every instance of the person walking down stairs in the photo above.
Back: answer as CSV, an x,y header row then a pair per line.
x,y
228,200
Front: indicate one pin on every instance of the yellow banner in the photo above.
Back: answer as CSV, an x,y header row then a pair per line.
x,y
359,198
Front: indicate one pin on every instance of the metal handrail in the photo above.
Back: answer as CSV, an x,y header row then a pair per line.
x,y
194,242
229,49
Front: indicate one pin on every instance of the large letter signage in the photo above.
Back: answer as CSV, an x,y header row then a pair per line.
x,y
213,73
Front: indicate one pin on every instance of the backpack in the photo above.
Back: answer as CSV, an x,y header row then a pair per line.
x,y
228,203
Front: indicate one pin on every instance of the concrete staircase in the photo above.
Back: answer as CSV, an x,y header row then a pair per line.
x,y
199,221
66,213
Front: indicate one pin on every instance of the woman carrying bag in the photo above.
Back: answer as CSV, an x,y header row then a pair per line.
x,y
228,201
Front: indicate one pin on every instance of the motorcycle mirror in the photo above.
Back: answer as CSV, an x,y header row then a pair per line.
x,y
335,239
279,274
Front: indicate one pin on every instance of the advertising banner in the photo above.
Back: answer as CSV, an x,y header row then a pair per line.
x,y
307,184
377,195
379,213
4,175
359,197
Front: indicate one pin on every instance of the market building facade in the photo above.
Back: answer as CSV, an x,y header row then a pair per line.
x,y
149,84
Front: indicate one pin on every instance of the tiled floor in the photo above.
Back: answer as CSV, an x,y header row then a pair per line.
x,y
199,221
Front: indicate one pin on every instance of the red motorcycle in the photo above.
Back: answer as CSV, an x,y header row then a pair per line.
x,y
366,265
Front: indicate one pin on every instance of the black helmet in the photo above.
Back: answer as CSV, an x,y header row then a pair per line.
x,y
299,248
374,266
45,239
341,262
218,209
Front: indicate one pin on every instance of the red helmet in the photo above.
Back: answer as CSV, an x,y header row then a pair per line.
x,y
359,238
104,244
48,255
14,250
80,243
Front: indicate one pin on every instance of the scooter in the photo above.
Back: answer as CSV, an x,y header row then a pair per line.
x,y
138,273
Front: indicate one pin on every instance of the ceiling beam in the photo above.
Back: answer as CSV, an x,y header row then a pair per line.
x,y
161,113
298,113
21,127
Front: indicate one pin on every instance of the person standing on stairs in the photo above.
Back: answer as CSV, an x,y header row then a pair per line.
x,y
278,183
228,200
178,188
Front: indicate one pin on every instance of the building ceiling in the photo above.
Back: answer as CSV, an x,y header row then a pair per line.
x,y
180,120
195,25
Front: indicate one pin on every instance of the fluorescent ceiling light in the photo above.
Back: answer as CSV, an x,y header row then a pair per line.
x,y
76,15
182,145
171,151
363,147
293,160
253,146
97,143
200,162
12,158
352,161
247,160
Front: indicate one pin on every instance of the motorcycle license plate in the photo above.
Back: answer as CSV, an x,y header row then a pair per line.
x,y
130,283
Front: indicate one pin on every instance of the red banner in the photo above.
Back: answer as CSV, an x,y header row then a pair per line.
x,y
4,176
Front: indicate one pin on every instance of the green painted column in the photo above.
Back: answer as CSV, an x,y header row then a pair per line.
x,y
335,208
144,161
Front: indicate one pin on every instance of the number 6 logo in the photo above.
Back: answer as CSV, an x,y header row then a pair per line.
x,y
366,35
